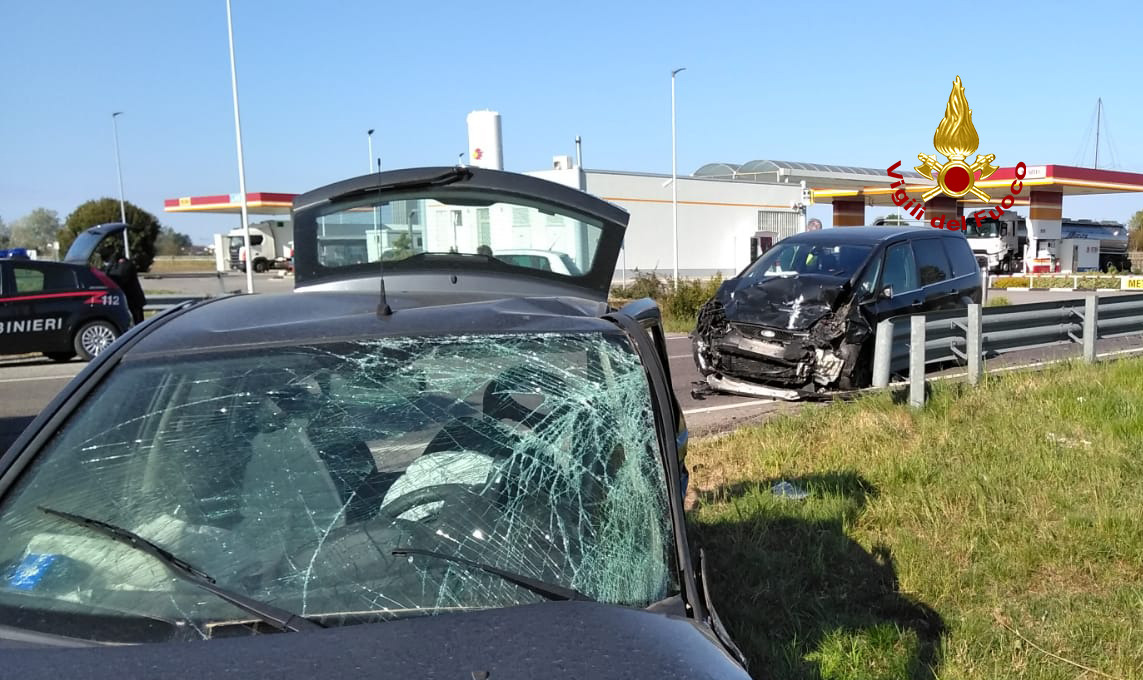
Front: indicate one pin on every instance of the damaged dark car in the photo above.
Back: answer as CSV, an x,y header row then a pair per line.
x,y
423,462
800,320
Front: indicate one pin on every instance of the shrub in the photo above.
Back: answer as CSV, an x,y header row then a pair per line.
x,y
998,301
684,301
1052,282
1011,282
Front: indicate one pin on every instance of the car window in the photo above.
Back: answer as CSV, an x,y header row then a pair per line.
x,y
960,256
867,284
432,221
34,279
530,261
932,263
28,279
291,473
900,268
828,259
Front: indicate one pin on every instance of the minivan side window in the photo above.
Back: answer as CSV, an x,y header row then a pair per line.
x,y
900,268
961,257
932,263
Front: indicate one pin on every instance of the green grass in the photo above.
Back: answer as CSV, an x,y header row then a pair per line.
x,y
1020,500
997,301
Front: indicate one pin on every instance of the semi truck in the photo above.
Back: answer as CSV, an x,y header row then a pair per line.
x,y
271,246
999,243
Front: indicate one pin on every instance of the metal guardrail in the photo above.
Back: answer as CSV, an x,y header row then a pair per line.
x,y
972,334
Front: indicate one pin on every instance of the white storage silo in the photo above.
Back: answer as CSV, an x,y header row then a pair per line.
x,y
484,150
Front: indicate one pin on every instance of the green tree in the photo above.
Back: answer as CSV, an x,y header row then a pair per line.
x,y
1135,232
38,229
171,242
142,228
5,234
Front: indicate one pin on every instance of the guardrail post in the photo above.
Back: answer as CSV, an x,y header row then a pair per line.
x,y
973,349
983,284
917,361
1090,326
882,353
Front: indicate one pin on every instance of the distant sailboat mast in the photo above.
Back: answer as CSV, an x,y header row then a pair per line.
x,y
1098,120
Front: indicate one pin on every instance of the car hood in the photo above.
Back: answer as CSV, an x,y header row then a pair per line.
x,y
551,640
787,302
438,272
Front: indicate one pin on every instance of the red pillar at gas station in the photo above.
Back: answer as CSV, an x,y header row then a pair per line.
x,y
1045,212
943,205
849,213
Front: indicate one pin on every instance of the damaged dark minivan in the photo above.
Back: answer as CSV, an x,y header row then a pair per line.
x,y
800,319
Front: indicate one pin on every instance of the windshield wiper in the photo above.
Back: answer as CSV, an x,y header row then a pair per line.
x,y
278,618
548,590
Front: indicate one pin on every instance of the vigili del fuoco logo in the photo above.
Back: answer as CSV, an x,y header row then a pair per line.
x,y
956,140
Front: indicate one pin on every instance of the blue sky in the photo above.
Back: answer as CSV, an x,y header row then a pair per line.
x,y
831,82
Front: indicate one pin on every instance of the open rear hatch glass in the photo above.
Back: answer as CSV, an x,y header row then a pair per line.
x,y
439,230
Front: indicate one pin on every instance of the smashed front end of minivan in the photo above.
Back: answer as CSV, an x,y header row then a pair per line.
x,y
784,333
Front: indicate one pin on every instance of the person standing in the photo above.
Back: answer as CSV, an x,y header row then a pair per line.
x,y
124,273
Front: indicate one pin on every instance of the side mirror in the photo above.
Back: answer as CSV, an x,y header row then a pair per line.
x,y
887,292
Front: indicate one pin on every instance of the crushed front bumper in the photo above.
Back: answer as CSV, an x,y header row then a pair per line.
x,y
745,359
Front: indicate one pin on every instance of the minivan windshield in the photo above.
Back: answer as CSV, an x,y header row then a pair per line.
x,y
291,474
793,258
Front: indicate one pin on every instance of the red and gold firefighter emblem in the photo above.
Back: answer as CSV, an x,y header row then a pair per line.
x,y
956,139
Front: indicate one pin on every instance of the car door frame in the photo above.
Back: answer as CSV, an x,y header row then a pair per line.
x,y
939,295
885,307
641,320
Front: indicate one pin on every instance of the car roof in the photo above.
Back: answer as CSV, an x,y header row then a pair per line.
x,y
46,263
275,319
864,235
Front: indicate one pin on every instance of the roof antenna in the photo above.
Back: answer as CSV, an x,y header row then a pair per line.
x,y
383,306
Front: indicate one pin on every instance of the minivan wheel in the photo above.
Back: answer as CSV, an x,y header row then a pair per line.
x,y
94,337
861,375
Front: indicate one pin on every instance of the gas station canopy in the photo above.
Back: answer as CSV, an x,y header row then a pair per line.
x,y
257,203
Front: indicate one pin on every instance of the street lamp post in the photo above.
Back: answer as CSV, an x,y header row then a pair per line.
x,y
369,135
241,164
119,172
674,179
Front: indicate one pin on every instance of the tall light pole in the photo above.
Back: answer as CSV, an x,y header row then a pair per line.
x,y
241,165
369,134
675,179
119,171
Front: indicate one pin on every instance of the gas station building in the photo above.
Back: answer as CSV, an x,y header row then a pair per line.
x,y
850,190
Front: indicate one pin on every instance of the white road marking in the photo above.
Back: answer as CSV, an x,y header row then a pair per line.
x,y
679,356
45,377
724,407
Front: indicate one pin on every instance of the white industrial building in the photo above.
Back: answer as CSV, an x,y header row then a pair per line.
x,y
717,218
721,222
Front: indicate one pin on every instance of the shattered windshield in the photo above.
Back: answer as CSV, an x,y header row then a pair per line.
x,y
291,474
790,259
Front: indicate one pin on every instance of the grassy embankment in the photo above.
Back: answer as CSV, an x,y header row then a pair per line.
x,y
182,265
996,527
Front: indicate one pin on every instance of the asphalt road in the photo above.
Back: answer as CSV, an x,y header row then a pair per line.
x,y
27,385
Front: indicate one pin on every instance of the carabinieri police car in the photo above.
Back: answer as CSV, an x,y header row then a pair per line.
x,y
58,309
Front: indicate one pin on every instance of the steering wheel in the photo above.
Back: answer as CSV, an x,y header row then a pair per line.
x,y
498,402
435,493
474,433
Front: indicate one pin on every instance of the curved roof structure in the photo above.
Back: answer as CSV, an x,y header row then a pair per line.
x,y
815,175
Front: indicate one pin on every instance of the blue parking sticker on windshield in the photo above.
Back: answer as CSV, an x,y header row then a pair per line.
x,y
30,571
